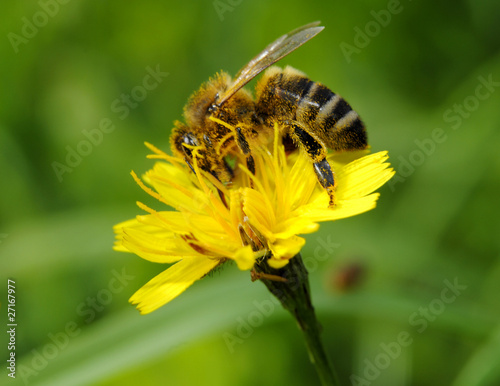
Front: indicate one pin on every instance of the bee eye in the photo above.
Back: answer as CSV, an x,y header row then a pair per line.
x,y
212,108
207,140
189,139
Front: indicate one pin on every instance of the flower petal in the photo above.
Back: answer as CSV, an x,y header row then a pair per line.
x,y
342,209
285,249
363,176
258,208
176,187
245,258
295,226
140,223
171,283
160,248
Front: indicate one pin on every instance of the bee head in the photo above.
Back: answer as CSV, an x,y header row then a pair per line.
x,y
182,141
203,103
188,142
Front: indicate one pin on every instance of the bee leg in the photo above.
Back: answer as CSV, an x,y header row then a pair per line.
x,y
229,169
325,177
250,163
223,172
186,160
221,195
317,152
245,148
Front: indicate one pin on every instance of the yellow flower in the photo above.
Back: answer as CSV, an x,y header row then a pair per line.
x,y
257,214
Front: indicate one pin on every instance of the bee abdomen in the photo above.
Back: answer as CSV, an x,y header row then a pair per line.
x,y
292,90
328,113
323,108
289,95
310,105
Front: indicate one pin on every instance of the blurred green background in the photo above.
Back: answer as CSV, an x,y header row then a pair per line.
x,y
425,78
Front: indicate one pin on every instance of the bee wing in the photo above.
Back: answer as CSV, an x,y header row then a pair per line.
x,y
275,51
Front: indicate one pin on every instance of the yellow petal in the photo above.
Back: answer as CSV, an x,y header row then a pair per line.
x,y
171,283
173,221
295,226
363,176
287,248
209,226
162,248
342,209
244,258
277,263
176,188
302,181
340,159
168,171
259,210
136,223
118,246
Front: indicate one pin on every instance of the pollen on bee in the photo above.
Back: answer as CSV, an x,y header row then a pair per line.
x,y
331,193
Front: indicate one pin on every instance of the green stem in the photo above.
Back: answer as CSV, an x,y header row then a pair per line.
x,y
294,295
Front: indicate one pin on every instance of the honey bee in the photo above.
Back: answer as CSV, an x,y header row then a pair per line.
x,y
310,116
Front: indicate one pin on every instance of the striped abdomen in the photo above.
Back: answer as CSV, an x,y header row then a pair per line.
x,y
288,95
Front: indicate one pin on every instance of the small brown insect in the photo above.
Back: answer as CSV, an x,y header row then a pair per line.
x,y
349,276
310,116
